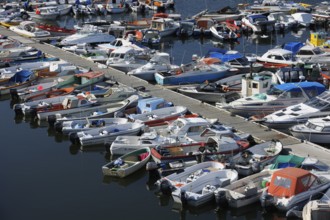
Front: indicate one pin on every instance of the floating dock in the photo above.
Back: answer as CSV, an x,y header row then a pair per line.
x,y
258,131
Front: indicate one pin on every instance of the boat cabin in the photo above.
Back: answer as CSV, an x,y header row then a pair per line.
x,y
291,181
149,104
74,102
190,127
318,38
162,24
256,83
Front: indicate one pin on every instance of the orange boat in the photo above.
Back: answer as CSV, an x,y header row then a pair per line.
x,y
52,93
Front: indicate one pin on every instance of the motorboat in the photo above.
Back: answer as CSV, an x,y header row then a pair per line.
x,y
127,58
165,26
201,191
236,60
56,30
312,53
20,54
116,6
255,158
102,110
159,116
303,18
45,13
29,29
222,32
98,136
220,15
88,34
317,209
292,186
127,164
278,57
224,143
276,98
116,44
151,37
316,130
158,62
87,124
20,79
195,72
176,180
258,23
319,106
244,191
283,21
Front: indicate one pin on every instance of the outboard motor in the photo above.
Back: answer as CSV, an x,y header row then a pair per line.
x,y
14,94
107,147
51,120
165,187
220,197
74,138
266,200
256,167
58,126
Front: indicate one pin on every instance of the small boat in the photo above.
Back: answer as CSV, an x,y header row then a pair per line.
x,y
98,136
159,116
317,209
44,13
195,72
165,26
127,164
151,37
276,98
29,29
56,30
243,192
277,58
116,6
282,21
158,62
316,130
292,186
223,144
222,32
299,113
87,124
127,58
255,158
21,79
258,23
201,191
176,180
69,84
20,54
97,111
88,34
303,18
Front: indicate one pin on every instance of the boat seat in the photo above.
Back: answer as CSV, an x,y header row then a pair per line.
x,y
224,182
249,191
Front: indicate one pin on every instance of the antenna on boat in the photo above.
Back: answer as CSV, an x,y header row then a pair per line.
x,y
184,52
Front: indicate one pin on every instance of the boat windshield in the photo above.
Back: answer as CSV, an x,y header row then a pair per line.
x,y
318,51
274,91
313,126
320,102
289,57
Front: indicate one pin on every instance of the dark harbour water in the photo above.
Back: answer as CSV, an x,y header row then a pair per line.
x,y
44,177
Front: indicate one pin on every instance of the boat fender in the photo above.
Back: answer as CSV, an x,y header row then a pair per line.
x,y
151,166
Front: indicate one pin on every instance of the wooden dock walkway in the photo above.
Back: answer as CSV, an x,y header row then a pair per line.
x,y
258,131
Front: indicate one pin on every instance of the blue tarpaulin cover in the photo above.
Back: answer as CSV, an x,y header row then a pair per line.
x,y
304,85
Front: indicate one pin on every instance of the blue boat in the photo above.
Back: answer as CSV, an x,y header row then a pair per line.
x,y
21,79
207,69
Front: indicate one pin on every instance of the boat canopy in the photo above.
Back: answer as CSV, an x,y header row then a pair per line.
x,y
296,87
21,76
226,57
283,161
290,181
215,50
294,47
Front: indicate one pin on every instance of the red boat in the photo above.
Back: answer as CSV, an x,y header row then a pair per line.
x,y
56,29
